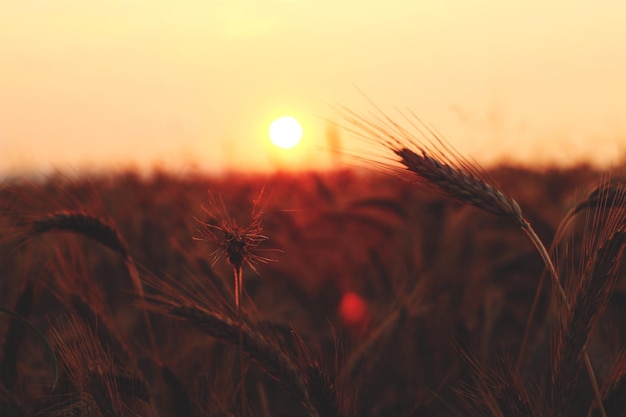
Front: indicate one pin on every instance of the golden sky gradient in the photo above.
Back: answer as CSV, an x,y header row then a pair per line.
x,y
107,83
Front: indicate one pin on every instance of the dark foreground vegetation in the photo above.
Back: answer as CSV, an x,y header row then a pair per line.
x,y
368,295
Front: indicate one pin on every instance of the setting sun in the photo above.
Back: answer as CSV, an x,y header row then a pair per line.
x,y
285,132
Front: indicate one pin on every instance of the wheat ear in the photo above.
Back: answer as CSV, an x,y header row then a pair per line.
x,y
589,303
498,391
608,194
99,230
266,354
435,162
88,366
88,225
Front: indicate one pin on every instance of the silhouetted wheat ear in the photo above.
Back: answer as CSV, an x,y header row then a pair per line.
x,y
328,393
590,302
99,230
89,368
266,354
425,153
608,194
88,225
459,184
106,333
498,391
603,245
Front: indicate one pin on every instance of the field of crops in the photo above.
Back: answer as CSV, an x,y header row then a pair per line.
x,y
364,294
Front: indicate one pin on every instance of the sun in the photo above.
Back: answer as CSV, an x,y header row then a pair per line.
x,y
285,132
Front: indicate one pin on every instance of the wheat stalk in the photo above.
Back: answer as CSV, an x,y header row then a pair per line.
x,y
425,153
589,303
88,367
262,351
498,391
238,244
99,230
610,193
91,226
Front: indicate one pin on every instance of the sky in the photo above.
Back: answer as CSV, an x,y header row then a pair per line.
x,y
184,84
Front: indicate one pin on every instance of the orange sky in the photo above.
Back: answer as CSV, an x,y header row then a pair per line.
x,y
107,83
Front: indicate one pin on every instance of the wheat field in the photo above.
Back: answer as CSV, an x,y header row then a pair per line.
x,y
440,290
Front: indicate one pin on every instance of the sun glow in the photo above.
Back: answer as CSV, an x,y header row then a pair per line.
x,y
285,132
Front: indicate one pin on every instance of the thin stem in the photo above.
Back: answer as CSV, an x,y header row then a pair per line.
x,y
526,227
533,309
238,271
238,281
529,321
556,283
